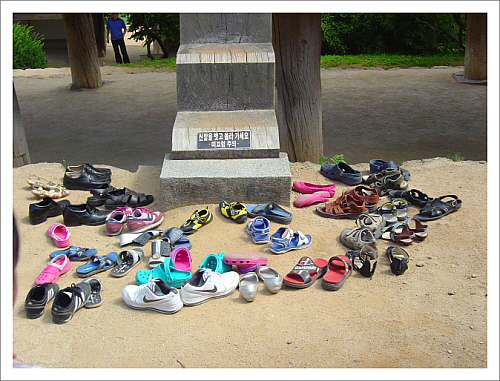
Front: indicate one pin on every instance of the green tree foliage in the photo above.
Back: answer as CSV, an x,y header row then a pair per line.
x,y
161,27
28,48
388,33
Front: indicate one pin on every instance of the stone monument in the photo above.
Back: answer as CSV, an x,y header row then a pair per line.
x,y
225,139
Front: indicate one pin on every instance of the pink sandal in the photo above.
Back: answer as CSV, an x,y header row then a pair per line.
x,y
60,234
57,266
181,258
311,188
308,199
245,262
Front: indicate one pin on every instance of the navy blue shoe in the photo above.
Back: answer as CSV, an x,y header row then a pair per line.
x,y
342,172
378,165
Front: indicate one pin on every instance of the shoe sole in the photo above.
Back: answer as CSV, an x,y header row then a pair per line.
x,y
147,227
156,309
206,299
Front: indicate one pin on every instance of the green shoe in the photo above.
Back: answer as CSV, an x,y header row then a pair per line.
x,y
198,219
166,271
234,211
215,263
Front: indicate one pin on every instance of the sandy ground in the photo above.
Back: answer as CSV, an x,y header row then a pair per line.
x,y
433,316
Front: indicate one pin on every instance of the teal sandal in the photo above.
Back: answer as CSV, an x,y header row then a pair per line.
x,y
165,271
215,263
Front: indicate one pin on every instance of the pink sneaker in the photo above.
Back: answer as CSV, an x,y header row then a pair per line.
x,y
143,219
59,234
116,220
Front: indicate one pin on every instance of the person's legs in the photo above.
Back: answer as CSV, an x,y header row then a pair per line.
x,y
118,57
123,49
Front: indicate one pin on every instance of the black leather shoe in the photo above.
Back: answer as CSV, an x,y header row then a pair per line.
x,y
37,299
39,212
84,180
89,169
84,214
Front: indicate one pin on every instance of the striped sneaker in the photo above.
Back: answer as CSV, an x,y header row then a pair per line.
x,y
143,219
198,219
37,299
116,220
68,301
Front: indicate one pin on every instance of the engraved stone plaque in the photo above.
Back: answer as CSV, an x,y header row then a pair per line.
x,y
229,139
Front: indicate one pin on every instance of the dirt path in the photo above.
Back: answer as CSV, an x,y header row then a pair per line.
x,y
400,114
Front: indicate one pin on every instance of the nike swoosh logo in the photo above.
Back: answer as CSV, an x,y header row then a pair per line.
x,y
212,290
145,300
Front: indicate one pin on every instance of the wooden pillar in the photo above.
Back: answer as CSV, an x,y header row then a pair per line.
x,y
475,61
297,45
82,51
100,33
21,152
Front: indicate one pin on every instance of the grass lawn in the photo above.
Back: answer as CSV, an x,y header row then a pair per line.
x,y
385,61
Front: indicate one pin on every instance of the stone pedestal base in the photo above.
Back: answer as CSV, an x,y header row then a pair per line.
x,y
190,182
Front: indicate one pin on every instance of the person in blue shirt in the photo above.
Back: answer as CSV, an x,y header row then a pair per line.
x,y
117,27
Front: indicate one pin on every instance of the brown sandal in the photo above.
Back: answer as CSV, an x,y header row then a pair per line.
x,y
368,195
343,207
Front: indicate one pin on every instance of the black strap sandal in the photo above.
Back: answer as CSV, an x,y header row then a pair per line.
x,y
126,197
413,196
99,196
439,207
399,259
362,260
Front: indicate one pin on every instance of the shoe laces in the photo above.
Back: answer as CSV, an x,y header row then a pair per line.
x,y
208,274
151,284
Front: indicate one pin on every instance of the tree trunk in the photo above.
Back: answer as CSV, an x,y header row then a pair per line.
x,y
297,47
475,62
82,50
100,33
21,152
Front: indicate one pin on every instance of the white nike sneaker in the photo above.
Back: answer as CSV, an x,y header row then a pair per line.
x,y
206,284
154,295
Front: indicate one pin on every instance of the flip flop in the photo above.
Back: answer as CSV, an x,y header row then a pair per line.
x,y
166,271
94,299
126,261
138,238
313,188
306,272
339,269
271,211
59,234
97,264
309,199
245,261
181,259
177,238
75,253
57,266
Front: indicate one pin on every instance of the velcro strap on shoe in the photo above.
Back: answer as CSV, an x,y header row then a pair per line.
x,y
142,239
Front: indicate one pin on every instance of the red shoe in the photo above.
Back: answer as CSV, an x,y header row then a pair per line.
x,y
143,219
